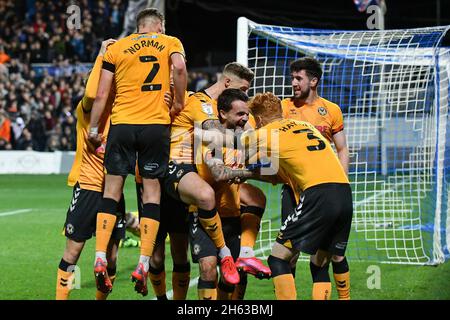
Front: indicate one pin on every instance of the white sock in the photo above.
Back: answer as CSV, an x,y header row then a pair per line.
x,y
101,255
246,252
223,252
145,260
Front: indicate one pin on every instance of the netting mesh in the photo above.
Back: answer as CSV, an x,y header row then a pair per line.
x,y
392,87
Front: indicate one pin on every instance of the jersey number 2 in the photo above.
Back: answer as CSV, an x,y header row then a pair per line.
x,y
310,135
148,85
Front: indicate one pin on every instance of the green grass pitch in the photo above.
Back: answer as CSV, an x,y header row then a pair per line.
x,y
31,246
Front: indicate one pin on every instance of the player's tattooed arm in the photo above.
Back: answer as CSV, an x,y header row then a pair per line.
x,y
213,124
214,132
221,172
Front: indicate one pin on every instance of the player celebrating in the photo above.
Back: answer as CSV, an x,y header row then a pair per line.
x,y
87,178
320,224
139,66
307,105
233,114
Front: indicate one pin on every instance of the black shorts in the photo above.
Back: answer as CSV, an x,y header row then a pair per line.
x,y
322,220
81,218
174,215
150,144
201,244
288,202
175,172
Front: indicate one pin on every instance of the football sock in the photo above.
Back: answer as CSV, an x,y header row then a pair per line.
x,y
285,287
282,279
223,252
158,279
321,282
145,260
149,225
106,220
342,279
181,275
250,223
239,291
210,221
246,252
206,290
112,276
63,280
224,291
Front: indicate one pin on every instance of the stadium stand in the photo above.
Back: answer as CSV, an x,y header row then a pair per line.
x,y
43,65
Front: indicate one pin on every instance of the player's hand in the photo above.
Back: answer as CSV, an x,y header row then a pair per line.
x,y
105,45
176,109
95,139
237,180
168,99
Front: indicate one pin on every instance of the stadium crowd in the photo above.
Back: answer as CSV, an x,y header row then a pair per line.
x,y
37,101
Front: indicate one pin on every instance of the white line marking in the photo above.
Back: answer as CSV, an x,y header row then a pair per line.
x,y
10,213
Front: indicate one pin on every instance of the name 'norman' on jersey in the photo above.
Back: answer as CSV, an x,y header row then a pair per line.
x,y
141,66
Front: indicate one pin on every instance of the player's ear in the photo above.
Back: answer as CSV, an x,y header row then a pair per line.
x,y
227,82
223,114
314,81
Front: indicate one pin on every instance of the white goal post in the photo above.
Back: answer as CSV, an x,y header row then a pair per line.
x,y
393,89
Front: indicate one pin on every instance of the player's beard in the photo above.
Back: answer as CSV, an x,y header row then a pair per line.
x,y
303,94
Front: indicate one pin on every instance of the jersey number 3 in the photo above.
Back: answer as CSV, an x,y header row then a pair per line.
x,y
310,135
148,85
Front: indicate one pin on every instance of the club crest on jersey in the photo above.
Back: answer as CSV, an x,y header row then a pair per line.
x,y
207,108
322,111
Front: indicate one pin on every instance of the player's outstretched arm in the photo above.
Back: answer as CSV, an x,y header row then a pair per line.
x,y
179,82
221,172
104,88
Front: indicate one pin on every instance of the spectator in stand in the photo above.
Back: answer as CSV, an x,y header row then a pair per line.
x,y
5,131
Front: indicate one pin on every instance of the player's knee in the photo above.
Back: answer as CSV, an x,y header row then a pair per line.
x,y
340,266
156,269
208,268
157,260
337,259
278,266
206,199
259,198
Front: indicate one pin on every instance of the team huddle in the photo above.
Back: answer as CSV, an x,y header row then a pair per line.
x,y
191,154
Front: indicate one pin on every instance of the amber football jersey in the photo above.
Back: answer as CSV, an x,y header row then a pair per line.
x,y
300,151
323,114
87,168
198,108
141,66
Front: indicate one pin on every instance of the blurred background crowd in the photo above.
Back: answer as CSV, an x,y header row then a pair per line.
x,y
43,65
44,61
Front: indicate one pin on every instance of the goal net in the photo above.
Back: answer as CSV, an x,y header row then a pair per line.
x,y
393,89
